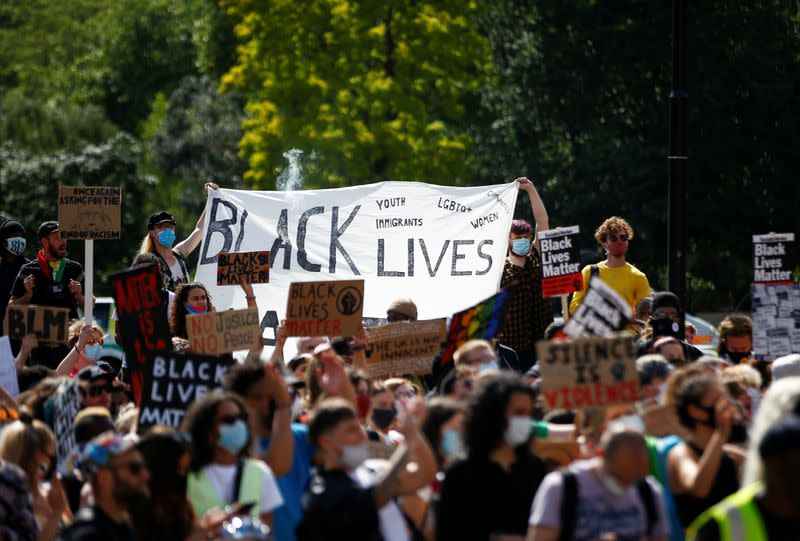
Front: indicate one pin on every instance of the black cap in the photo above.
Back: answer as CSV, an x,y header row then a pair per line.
x,y
159,218
781,437
48,228
94,373
10,226
666,298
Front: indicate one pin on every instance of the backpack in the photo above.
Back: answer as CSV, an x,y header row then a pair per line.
x,y
569,505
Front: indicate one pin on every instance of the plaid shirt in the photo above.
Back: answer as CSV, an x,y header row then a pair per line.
x,y
17,521
528,313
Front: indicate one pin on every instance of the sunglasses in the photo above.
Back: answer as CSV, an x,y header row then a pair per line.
x,y
229,419
135,468
97,390
614,238
8,413
93,341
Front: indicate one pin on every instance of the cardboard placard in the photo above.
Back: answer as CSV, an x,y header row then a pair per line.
x,y
48,323
774,258
90,212
561,261
601,312
776,320
588,372
8,368
142,319
172,382
67,406
235,268
482,321
561,453
662,420
327,308
215,333
404,347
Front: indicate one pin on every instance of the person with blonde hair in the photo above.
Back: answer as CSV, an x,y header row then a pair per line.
x,y
614,235
31,445
160,239
86,348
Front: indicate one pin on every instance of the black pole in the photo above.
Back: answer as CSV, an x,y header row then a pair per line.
x,y
678,155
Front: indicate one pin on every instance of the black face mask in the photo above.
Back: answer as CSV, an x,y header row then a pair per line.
x,y
738,433
383,417
666,327
738,356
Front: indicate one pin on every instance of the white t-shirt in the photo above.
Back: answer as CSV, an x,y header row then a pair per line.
x,y
176,270
223,476
393,525
598,510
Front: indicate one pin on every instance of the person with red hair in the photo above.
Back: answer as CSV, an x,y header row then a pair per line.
x,y
528,313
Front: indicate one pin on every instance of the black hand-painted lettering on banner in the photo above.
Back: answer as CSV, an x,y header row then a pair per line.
x,y
223,227
456,265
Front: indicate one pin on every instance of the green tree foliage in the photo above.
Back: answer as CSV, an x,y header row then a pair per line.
x,y
581,103
377,90
198,138
29,191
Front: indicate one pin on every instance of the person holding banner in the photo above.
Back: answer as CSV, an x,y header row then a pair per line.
x,y
160,239
51,280
614,236
528,313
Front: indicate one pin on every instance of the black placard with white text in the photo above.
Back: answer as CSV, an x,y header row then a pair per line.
x,y
173,381
601,312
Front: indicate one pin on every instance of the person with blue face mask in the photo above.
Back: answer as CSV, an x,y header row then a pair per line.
x,y
86,343
528,313
221,473
12,246
160,240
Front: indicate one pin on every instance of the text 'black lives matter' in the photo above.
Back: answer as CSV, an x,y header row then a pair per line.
x,y
774,258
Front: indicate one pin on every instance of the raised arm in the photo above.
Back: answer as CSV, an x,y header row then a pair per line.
x,y
188,245
537,207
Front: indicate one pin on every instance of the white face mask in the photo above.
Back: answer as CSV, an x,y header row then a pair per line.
x,y
354,455
489,365
518,430
632,421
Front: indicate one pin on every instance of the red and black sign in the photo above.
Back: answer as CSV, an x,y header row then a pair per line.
x,y
561,261
142,319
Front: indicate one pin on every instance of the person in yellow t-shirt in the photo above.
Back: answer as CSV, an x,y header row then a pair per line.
x,y
613,235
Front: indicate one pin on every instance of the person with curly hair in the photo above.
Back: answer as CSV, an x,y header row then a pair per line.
x,y
614,236
490,492
194,298
221,472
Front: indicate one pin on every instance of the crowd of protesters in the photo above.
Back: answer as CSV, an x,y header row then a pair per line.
x,y
304,445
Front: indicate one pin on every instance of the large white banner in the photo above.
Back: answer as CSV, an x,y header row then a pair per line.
x,y
441,246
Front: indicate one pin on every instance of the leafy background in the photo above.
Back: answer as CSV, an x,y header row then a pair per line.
x,y
160,96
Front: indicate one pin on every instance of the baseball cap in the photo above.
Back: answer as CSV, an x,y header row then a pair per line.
x,y
94,373
100,450
405,307
10,226
47,228
159,218
783,436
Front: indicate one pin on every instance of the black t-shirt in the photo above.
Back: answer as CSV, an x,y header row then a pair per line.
x,y
479,498
778,529
8,273
725,483
92,524
337,507
46,291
